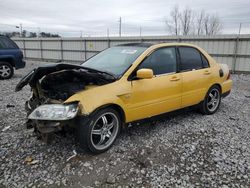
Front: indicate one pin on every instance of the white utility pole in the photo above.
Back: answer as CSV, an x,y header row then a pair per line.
x,y
21,29
240,28
120,27
108,32
140,31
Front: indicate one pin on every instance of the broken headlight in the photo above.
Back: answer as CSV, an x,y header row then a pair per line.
x,y
54,112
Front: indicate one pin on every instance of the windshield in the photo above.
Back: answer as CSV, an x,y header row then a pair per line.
x,y
115,60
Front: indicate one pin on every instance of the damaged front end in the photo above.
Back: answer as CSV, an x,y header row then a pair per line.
x,y
51,86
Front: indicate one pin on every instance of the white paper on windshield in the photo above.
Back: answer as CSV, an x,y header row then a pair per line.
x,y
128,51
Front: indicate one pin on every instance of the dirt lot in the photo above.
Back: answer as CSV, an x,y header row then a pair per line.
x,y
185,149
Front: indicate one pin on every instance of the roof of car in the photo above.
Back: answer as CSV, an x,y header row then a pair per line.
x,y
141,44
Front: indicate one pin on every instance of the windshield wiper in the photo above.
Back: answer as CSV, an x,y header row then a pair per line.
x,y
98,71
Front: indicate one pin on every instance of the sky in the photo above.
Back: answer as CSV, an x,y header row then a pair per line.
x,y
98,17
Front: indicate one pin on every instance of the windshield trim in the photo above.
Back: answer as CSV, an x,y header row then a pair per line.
x,y
99,71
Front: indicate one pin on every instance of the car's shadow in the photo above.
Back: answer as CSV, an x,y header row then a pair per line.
x,y
141,127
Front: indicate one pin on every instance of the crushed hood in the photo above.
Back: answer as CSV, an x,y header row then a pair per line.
x,y
32,77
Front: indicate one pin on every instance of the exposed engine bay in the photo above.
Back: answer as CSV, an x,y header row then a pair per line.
x,y
53,84
63,84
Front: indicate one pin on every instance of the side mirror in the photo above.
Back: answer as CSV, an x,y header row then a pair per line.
x,y
144,74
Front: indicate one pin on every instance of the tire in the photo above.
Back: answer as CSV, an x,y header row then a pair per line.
x,y
212,101
6,70
99,132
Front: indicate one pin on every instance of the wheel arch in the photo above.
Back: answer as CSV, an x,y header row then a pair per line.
x,y
9,60
116,107
216,84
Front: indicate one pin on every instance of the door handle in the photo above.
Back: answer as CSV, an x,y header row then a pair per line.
x,y
174,78
207,72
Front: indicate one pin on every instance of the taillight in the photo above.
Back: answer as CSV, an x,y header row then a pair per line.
x,y
228,76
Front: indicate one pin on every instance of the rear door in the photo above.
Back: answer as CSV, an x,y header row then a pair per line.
x,y
196,75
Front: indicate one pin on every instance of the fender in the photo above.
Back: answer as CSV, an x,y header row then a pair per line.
x,y
115,93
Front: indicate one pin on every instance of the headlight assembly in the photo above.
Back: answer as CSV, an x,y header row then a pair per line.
x,y
55,112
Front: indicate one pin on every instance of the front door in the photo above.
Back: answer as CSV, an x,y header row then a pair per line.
x,y
160,94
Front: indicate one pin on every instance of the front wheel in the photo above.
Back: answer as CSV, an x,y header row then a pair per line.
x,y
100,131
212,101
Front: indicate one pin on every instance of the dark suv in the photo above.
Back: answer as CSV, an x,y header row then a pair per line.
x,y
10,56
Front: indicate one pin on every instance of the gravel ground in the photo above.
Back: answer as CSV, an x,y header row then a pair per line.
x,y
184,149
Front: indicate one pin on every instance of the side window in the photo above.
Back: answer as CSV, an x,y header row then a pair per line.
x,y
190,59
204,61
161,61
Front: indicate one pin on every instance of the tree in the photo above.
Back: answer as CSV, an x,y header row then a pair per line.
x,y
24,33
212,24
200,22
186,21
32,34
43,34
10,34
174,23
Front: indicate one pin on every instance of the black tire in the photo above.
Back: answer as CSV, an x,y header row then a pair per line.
x,y
206,106
6,70
87,132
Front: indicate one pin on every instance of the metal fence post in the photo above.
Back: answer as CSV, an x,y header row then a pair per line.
x,y
108,42
61,43
85,49
235,54
41,49
24,49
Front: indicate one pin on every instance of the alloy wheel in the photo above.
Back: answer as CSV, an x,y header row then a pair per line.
x,y
213,100
5,71
104,131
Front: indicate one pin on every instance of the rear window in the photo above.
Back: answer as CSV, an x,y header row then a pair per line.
x,y
190,59
6,43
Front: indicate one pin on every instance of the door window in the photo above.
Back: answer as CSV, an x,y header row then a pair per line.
x,y
190,59
162,61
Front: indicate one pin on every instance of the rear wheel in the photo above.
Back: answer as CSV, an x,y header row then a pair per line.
x,y
212,101
6,70
101,130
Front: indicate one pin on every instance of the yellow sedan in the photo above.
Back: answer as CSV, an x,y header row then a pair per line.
x,y
120,85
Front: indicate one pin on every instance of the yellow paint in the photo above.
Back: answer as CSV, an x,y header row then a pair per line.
x,y
144,74
148,97
90,45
